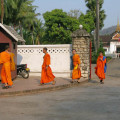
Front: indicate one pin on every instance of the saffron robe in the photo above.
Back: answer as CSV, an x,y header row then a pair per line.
x,y
76,74
99,69
6,68
46,75
12,62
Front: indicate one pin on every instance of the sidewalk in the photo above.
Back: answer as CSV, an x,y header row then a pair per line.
x,y
32,85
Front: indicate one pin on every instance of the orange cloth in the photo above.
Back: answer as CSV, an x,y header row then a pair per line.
x,y
0,59
6,69
12,62
46,75
99,69
76,74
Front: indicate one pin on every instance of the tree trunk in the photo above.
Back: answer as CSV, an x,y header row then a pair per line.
x,y
95,41
97,25
33,35
2,10
20,27
32,38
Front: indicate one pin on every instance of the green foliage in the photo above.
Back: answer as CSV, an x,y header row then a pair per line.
x,y
91,18
95,55
91,5
20,14
101,50
108,58
74,13
59,26
87,22
34,34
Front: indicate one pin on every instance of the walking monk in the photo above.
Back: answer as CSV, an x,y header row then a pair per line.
x,y
76,74
101,67
7,66
46,75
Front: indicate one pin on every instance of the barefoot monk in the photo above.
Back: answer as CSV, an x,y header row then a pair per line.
x,y
101,67
8,65
76,74
46,75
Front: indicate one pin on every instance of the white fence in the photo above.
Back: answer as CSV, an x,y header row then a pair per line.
x,y
32,55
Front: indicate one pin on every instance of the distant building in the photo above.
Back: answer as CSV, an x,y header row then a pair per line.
x,y
111,43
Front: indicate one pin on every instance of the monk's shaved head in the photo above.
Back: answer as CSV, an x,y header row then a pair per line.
x,y
7,47
73,51
45,48
101,53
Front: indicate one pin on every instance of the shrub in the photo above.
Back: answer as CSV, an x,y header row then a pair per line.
x,y
100,50
95,55
108,58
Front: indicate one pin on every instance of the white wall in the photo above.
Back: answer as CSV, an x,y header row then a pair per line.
x,y
32,55
113,46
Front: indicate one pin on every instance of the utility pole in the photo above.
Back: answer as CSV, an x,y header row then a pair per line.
x,y
97,24
2,10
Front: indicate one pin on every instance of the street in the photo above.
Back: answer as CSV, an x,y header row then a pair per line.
x,y
91,101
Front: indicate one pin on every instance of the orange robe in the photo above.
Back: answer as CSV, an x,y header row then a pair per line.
x,y
76,74
6,68
0,59
12,62
46,75
99,69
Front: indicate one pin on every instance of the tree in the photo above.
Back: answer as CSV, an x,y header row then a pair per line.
x,y
2,10
35,35
74,13
38,32
91,4
87,22
59,26
21,15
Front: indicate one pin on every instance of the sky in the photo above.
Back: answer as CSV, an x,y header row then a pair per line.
x,y
111,7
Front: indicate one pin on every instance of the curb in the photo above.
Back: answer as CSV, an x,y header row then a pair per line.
x,y
36,91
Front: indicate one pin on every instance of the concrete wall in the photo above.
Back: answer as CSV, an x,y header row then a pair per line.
x,y
32,55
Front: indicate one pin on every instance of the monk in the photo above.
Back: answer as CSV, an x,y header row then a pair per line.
x,y
100,68
76,74
46,75
5,59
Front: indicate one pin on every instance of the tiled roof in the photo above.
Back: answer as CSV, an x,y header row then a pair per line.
x,y
106,40
12,33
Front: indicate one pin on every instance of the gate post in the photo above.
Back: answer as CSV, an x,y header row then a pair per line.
x,y
81,43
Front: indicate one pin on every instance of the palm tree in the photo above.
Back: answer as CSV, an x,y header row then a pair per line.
x,y
2,10
20,14
39,32
91,5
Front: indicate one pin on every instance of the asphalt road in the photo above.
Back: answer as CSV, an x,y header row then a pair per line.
x,y
91,101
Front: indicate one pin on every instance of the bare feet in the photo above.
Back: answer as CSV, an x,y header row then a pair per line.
x,y
41,84
54,82
101,81
5,87
78,81
72,81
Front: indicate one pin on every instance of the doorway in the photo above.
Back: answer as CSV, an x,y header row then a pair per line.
x,y
2,46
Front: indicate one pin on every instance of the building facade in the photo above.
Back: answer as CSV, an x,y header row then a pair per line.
x,y
111,43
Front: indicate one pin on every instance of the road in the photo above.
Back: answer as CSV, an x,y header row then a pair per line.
x,y
91,101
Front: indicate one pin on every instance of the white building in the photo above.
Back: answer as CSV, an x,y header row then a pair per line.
x,y
111,43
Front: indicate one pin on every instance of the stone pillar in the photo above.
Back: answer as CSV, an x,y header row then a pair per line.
x,y
81,43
